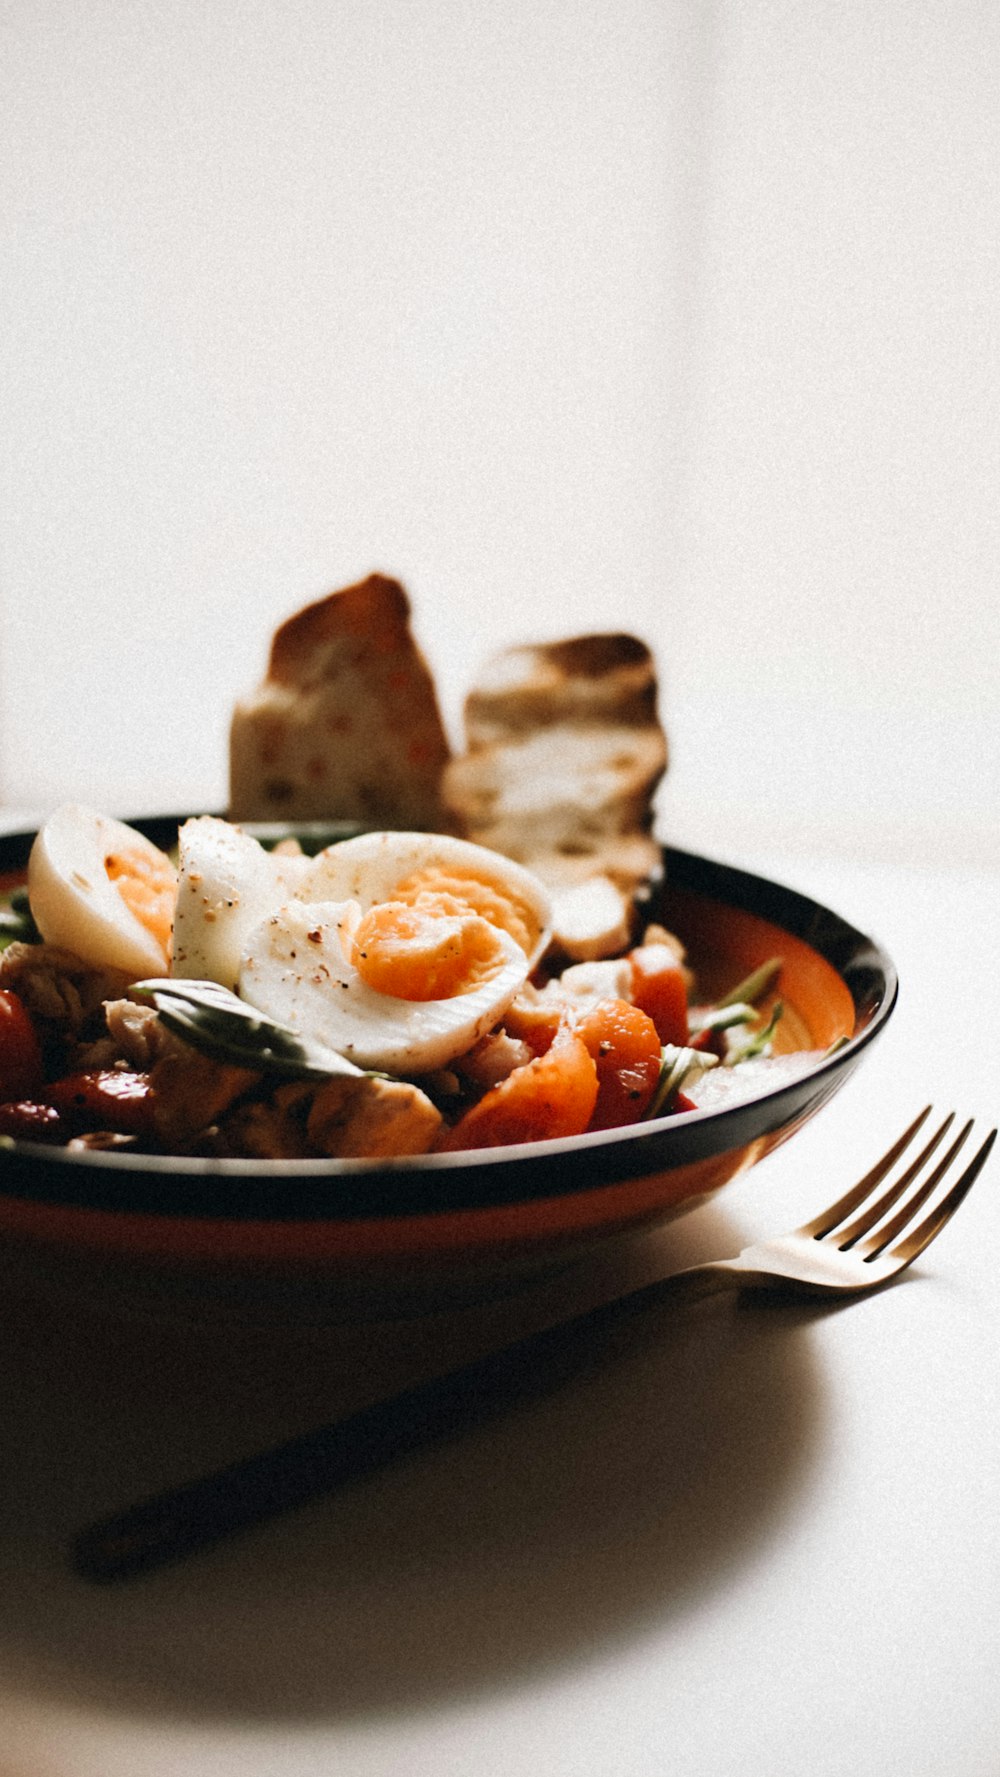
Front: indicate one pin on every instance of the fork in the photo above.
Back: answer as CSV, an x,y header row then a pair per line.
x,y
850,1248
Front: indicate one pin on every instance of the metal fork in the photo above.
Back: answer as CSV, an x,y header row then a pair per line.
x,y
836,1255
854,1246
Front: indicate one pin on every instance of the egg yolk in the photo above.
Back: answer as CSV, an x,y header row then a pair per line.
x,y
148,887
424,952
460,892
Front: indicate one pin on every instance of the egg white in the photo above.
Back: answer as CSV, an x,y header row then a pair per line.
x,y
74,902
227,883
294,969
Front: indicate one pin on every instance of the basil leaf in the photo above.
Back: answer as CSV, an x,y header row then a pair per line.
x,y
221,1025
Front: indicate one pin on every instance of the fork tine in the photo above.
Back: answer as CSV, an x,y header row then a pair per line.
x,y
931,1226
884,1236
874,1212
831,1218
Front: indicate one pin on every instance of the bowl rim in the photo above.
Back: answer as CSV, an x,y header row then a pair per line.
x,y
371,1189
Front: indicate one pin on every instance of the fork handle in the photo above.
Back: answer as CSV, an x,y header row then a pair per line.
x,y
170,1525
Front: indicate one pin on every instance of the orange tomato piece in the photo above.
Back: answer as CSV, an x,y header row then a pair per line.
x,y
625,1046
659,988
552,1095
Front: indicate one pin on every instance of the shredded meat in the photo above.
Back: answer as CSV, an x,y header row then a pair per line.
x,y
272,1128
491,1059
360,1115
191,1092
64,996
137,1032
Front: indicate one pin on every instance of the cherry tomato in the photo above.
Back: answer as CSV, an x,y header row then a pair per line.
x,y
625,1047
104,1098
553,1095
20,1053
659,988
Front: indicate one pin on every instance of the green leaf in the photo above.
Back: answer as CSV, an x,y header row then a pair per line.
x,y
679,1067
724,1017
759,1043
16,922
756,985
221,1025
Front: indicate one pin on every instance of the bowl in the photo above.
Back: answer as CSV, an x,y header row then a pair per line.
x,y
356,1236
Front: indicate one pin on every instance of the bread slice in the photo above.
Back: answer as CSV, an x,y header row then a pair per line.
x,y
588,679
345,725
565,750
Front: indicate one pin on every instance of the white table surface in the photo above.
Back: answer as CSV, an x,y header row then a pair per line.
x,y
747,1539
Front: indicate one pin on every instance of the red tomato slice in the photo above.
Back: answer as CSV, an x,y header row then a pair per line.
x,y
21,1068
105,1098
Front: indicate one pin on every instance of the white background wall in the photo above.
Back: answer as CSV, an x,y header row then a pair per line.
x,y
570,313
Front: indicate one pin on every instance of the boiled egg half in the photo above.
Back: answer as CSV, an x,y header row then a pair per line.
x,y
101,889
227,883
399,950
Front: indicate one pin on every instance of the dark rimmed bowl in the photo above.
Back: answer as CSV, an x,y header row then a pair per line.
x,y
349,1235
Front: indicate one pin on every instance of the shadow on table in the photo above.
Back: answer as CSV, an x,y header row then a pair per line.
x,y
624,1493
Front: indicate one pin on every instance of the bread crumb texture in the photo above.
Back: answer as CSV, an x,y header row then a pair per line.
x,y
345,724
564,750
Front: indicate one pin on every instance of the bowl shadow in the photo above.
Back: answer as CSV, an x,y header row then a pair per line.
x,y
626,1489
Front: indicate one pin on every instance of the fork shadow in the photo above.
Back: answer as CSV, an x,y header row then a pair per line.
x,y
624,1489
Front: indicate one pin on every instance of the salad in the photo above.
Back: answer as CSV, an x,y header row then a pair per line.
x,y
396,993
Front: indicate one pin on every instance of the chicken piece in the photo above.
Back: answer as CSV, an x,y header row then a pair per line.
x,y
133,1033
64,995
191,1092
272,1128
362,1116
607,978
491,1059
137,1031
590,919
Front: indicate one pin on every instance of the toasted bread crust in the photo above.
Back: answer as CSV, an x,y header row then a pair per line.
x,y
589,678
375,611
345,725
